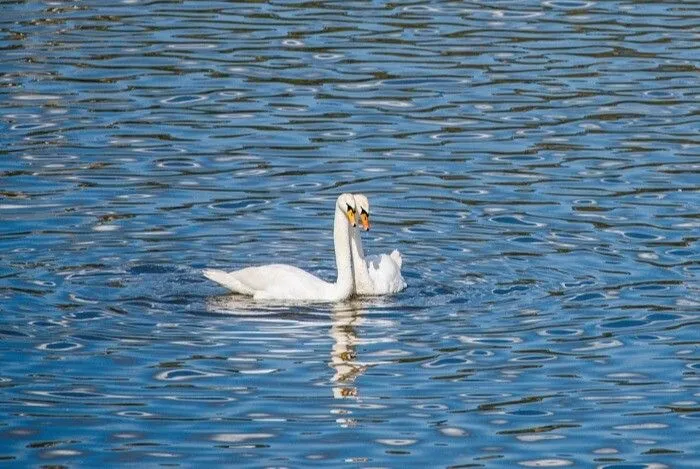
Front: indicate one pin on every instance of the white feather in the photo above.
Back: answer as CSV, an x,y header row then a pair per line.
x,y
289,283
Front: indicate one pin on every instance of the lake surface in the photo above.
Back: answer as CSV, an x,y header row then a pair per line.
x,y
536,163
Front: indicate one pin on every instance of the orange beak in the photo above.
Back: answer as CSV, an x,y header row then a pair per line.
x,y
364,219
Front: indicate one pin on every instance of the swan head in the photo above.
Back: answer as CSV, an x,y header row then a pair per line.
x,y
363,208
346,204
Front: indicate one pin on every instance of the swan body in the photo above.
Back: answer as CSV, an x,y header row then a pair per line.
x,y
378,274
384,273
289,283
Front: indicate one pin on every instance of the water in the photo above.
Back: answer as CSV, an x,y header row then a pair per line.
x,y
536,164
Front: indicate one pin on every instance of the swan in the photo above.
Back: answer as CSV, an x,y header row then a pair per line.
x,y
374,275
286,282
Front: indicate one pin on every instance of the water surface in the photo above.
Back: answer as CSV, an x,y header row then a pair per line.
x,y
536,163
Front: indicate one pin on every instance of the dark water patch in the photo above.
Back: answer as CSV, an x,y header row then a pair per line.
x,y
145,269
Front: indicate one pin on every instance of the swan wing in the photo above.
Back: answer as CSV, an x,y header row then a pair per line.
x,y
228,280
396,257
385,272
273,281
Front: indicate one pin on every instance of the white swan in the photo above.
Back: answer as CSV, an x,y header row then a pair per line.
x,y
374,275
286,282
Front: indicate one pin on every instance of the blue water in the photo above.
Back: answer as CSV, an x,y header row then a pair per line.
x,y
536,163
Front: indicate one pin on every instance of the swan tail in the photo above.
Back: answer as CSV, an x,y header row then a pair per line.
x,y
396,257
228,280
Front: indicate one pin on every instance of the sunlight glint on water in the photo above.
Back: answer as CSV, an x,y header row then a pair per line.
x,y
536,163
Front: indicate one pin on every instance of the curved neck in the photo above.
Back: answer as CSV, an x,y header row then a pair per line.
x,y
341,242
359,265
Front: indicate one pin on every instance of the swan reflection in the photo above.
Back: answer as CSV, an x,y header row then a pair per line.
x,y
345,320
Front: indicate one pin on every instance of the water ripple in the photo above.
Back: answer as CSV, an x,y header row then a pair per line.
x,y
535,163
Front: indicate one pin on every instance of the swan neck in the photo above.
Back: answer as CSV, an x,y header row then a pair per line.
x,y
357,249
343,260
359,265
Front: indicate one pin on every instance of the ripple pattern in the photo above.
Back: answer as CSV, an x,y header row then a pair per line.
x,y
535,162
